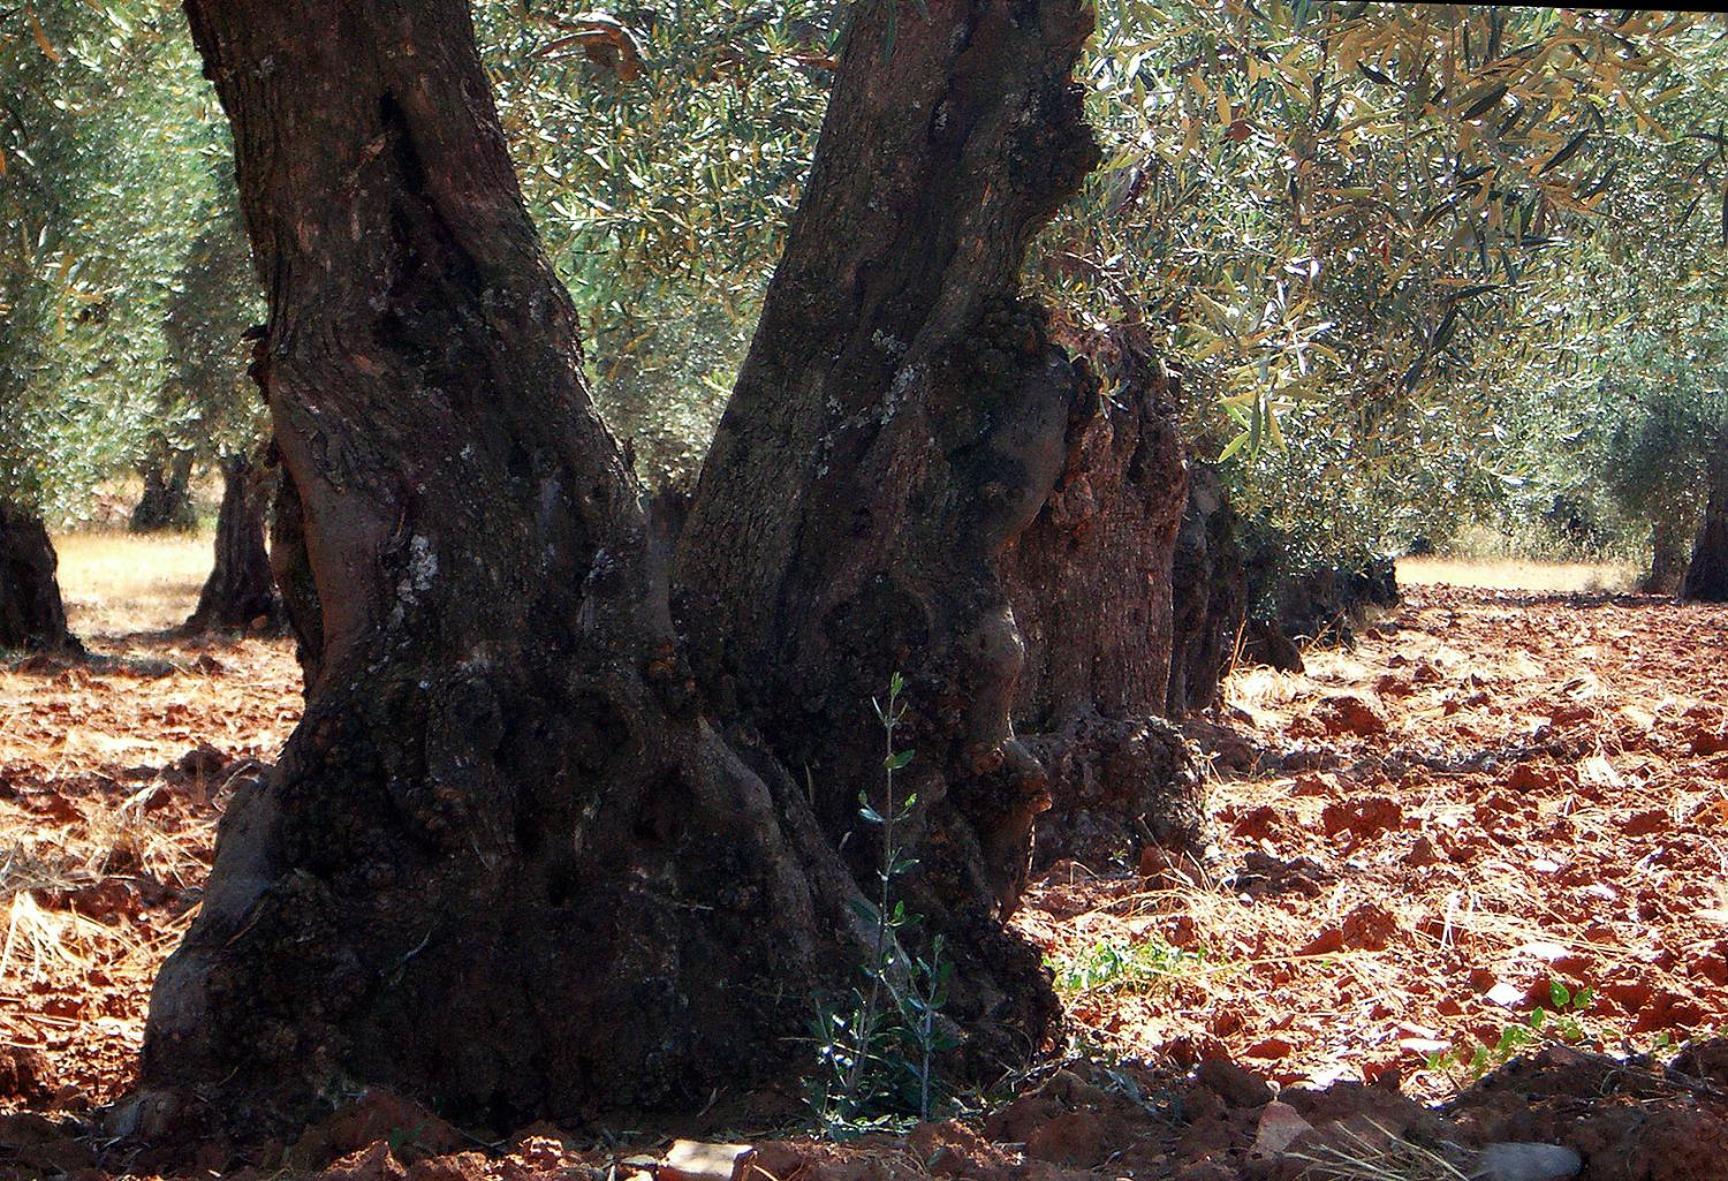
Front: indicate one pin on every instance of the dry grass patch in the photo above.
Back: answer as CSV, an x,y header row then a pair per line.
x,y
1519,574
117,583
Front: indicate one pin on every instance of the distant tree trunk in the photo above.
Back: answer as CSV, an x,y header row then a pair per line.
x,y
167,499
1667,558
1211,596
1707,574
31,613
239,594
503,864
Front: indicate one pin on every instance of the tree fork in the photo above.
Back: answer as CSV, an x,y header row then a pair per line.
x,y
166,502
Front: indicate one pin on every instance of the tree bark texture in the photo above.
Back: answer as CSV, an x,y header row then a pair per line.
x,y
1090,584
31,613
240,593
1210,591
502,865
167,499
900,419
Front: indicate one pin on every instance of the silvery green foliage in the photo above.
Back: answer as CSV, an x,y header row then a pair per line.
x,y
109,140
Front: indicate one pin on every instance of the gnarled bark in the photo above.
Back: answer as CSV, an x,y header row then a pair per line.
x,y
1090,584
900,420
502,864
1210,590
239,594
291,569
31,613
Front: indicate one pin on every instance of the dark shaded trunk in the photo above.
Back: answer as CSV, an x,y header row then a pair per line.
x,y
1706,578
31,613
1325,605
1295,604
240,594
1210,588
502,865
167,499
1668,559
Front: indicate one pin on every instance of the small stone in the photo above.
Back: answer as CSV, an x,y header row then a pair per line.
x,y
1074,1139
1347,714
202,762
1271,1048
372,1163
1233,1084
692,1160
1524,1161
1646,823
1279,1126
1369,927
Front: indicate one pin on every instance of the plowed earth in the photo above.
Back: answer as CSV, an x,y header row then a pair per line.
x,y
1470,886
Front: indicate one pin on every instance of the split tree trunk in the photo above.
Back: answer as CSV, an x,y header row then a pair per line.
x,y
167,499
31,613
502,865
1707,574
900,423
239,594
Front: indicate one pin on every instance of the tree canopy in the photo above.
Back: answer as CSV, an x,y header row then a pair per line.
x,y
1357,232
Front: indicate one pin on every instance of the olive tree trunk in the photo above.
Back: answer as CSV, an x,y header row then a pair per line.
x,y
1211,596
906,443
239,594
31,613
505,863
502,864
1667,558
1707,574
1090,581
166,502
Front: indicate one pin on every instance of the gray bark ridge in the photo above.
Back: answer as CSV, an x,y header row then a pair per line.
x,y
906,427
